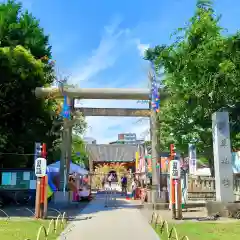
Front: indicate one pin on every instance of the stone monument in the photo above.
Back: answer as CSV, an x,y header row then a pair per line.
x,y
222,157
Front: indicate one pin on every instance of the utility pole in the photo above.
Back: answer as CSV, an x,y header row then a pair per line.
x,y
172,194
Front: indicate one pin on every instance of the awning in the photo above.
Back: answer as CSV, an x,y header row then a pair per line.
x,y
74,168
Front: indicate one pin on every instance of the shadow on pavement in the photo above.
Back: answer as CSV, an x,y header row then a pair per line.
x,y
99,204
53,210
73,210
78,219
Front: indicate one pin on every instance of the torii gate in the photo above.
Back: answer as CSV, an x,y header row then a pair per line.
x,y
104,93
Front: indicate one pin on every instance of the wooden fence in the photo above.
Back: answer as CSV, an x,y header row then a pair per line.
x,y
203,188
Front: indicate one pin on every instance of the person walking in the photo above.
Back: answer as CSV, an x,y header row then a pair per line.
x,y
110,178
134,186
124,185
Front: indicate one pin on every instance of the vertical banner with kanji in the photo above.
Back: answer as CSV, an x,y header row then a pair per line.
x,y
149,164
137,161
192,158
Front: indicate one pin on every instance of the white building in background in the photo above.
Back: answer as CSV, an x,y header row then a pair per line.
x,y
89,140
128,138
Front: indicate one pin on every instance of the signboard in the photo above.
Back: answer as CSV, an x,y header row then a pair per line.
x,y
175,170
37,150
118,112
40,167
192,158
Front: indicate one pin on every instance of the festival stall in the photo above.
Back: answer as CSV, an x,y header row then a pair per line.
x,y
75,181
140,176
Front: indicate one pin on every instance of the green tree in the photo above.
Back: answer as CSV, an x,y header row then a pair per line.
x,y
79,154
201,71
24,65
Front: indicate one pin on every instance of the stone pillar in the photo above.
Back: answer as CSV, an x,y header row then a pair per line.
x,y
69,148
63,158
153,134
66,150
222,157
61,197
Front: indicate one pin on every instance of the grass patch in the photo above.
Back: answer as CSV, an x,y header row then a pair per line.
x,y
23,229
205,231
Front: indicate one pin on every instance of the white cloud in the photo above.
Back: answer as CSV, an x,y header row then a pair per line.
x,y
111,46
105,55
141,47
106,129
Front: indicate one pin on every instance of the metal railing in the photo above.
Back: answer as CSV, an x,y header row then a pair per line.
x,y
161,226
44,232
53,227
111,197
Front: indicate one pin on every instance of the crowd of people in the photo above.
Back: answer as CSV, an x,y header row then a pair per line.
x,y
112,177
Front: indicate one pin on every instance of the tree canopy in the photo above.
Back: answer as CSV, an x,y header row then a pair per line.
x,y
25,63
201,76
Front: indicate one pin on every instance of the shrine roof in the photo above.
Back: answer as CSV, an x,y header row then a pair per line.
x,y
112,153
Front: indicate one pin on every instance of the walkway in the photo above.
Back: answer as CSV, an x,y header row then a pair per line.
x,y
97,222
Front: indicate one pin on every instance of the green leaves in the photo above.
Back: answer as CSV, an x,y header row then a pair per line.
x,y
24,119
202,72
25,63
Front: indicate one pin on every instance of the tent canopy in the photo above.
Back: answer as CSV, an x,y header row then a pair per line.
x,y
74,168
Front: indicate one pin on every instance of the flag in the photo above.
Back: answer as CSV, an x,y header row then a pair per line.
x,y
154,89
137,161
66,109
192,158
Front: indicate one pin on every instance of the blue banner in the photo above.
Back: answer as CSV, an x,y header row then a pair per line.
x,y
66,109
154,89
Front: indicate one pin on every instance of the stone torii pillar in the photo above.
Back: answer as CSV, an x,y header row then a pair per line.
x,y
65,154
155,188
66,149
155,156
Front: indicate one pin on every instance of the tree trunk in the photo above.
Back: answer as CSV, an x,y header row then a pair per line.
x,y
211,165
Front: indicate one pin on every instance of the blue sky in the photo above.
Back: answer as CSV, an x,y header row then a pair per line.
x,y
99,43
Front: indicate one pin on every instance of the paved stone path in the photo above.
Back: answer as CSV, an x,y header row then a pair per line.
x,y
124,222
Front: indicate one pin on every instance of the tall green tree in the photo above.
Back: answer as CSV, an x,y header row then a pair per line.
x,y
24,65
201,77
